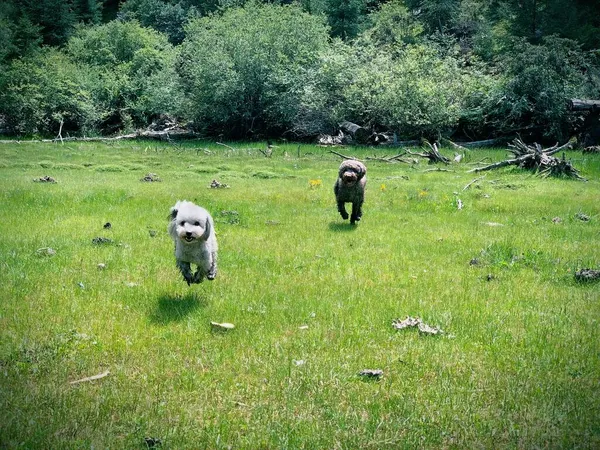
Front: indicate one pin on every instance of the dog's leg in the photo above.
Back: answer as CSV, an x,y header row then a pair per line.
x,y
356,212
186,271
198,276
212,272
342,210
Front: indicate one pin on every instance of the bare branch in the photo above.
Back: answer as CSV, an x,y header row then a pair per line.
x,y
344,156
225,145
473,181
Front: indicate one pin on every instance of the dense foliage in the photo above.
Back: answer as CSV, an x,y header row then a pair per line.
x,y
467,68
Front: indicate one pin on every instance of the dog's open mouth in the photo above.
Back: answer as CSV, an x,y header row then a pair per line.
x,y
188,238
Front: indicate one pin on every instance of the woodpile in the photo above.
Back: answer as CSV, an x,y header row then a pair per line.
x,y
538,160
350,133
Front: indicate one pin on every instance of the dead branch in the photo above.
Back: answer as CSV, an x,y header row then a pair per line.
x,y
473,181
59,135
268,152
433,154
344,156
92,378
225,145
535,158
389,159
437,169
454,145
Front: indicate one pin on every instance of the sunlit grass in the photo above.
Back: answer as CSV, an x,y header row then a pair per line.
x,y
312,299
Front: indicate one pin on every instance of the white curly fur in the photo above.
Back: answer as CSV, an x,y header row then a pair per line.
x,y
193,232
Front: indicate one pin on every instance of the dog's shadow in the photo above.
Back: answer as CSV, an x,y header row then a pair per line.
x,y
173,308
343,227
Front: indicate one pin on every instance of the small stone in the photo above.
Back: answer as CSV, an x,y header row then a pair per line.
x,y
101,241
214,184
585,275
44,179
151,177
46,251
406,323
101,266
152,442
371,373
427,329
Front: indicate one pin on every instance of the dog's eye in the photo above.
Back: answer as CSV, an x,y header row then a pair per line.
x,y
197,224
182,223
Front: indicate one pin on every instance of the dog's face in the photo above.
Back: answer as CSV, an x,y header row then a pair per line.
x,y
190,223
350,172
349,177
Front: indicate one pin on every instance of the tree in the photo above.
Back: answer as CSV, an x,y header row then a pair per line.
x,y
436,15
344,17
56,18
167,17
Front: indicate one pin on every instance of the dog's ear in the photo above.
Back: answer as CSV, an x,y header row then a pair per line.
x,y
173,213
361,172
207,228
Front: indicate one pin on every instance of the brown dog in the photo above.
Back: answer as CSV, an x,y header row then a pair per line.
x,y
350,188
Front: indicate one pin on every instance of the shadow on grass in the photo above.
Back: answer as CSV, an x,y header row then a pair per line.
x,y
172,308
341,227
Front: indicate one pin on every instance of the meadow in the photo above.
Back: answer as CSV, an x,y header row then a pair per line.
x,y
311,297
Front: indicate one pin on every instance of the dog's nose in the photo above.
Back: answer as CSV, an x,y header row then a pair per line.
x,y
188,233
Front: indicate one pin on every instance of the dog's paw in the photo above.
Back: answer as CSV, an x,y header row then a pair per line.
x,y
198,277
344,215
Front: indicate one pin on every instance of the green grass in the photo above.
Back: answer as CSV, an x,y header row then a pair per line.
x,y
517,367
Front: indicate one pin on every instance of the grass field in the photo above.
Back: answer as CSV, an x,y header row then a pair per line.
x,y
312,300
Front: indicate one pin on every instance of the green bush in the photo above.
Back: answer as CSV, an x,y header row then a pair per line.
x,y
244,71
40,91
133,69
536,81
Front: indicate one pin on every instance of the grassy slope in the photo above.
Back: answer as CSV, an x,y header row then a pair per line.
x,y
518,367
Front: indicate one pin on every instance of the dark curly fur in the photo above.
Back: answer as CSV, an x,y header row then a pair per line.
x,y
350,188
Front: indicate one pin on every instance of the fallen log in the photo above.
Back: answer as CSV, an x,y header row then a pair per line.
x,y
164,135
576,104
360,134
484,143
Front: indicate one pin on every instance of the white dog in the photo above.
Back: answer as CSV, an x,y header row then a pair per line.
x,y
193,231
